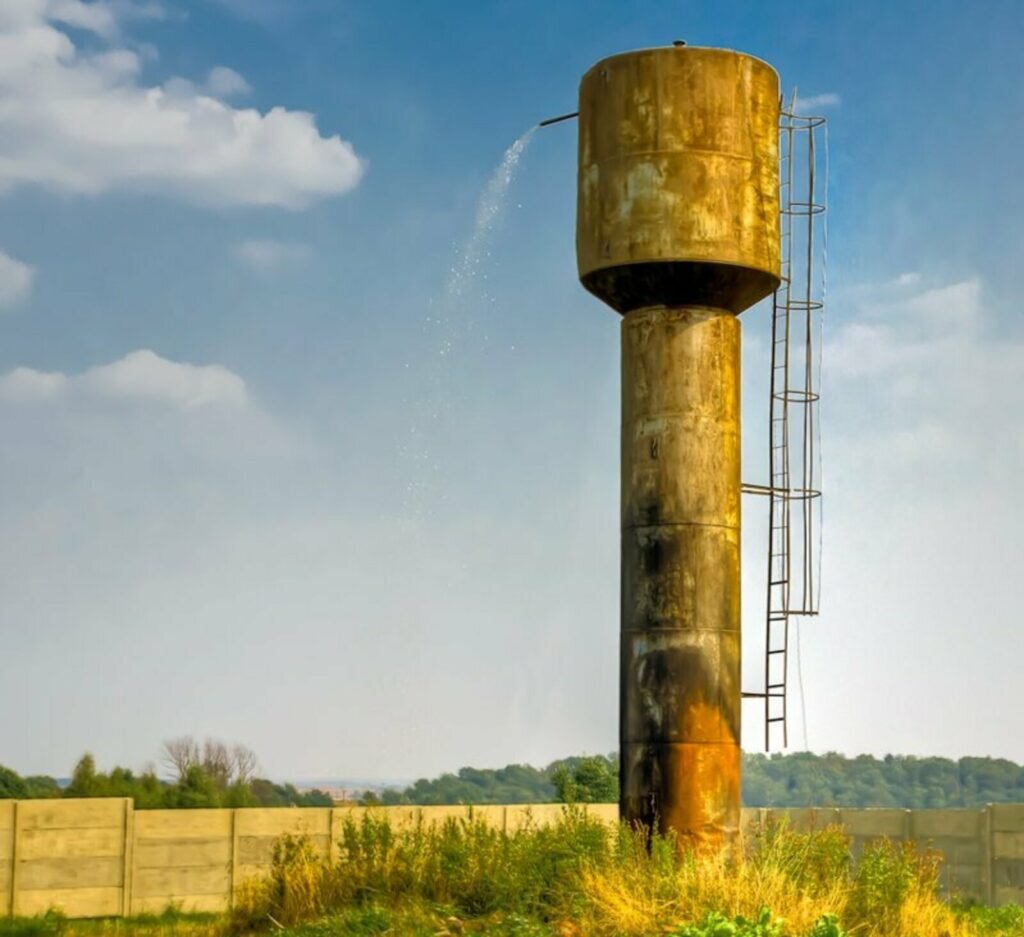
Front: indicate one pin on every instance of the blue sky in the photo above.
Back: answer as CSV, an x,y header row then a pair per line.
x,y
251,492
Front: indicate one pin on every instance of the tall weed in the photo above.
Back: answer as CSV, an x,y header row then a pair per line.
x,y
582,877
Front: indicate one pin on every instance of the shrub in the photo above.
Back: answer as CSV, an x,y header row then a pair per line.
x,y
579,876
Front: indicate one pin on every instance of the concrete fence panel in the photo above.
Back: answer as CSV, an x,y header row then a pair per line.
x,y
181,857
70,855
257,830
960,836
1006,833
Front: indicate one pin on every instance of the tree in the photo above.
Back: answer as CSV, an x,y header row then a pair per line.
x,y
180,754
225,767
590,780
41,786
217,763
12,787
83,779
196,789
244,764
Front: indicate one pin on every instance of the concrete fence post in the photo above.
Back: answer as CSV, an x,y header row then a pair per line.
x,y
15,853
12,878
128,855
233,878
988,852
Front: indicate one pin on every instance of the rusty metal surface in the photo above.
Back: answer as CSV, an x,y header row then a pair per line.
x,y
681,391
677,228
690,789
678,179
680,657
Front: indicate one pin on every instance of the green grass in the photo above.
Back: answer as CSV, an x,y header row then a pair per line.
x,y
169,924
415,920
1006,921
419,919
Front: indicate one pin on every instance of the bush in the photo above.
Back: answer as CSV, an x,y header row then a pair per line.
x,y
581,876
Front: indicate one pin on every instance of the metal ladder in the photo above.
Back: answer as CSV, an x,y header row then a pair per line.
x,y
794,308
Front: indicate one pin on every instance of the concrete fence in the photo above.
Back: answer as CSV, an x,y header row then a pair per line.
x,y
101,857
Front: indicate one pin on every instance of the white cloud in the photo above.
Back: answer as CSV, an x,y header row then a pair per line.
x,y
932,381
223,82
910,336
94,17
82,120
28,384
140,375
816,102
270,256
16,279
101,17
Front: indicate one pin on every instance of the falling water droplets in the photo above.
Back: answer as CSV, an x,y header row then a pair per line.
x,y
489,211
449,325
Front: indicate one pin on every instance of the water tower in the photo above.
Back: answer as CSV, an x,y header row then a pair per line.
x,y
678,230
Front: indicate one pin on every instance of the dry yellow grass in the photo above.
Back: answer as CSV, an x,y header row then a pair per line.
x,y
584,878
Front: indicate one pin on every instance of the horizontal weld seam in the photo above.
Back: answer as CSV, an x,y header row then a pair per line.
x,y
731,743
680,524
666,628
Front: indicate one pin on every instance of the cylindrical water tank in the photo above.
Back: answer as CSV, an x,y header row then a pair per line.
x,y
678,179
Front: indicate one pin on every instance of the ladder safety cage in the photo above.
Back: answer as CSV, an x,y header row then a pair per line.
x,y
794,468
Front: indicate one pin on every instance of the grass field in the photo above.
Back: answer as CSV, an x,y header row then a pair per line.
x,y
575,878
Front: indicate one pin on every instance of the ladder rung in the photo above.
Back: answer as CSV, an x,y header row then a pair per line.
x,y
778,719
780,650
776,686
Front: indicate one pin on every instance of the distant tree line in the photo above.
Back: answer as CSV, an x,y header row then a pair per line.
x,y
581,779
832,780
207,774
212,774
800,779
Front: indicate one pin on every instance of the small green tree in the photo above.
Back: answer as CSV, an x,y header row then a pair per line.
x,y
84,782
12,787
588,780
195,789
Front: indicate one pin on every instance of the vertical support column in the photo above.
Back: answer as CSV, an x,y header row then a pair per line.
x,y
679,720
128,850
